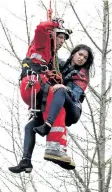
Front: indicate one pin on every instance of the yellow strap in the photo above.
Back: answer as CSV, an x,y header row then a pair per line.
x,y
25,65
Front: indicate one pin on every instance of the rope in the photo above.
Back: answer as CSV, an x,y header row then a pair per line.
x,y
56,72
53,76
49,12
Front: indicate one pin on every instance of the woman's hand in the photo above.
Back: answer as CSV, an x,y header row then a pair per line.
x,y
58,86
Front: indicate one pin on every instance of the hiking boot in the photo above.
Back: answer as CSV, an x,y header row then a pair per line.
x,y
24,165
70,166
42,130
57,156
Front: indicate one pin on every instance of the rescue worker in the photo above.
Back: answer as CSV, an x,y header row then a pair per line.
x,y
70,95
39,59
36,54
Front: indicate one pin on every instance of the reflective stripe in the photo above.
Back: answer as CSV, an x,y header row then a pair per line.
x,y
57,129
64,137
37,56
55,146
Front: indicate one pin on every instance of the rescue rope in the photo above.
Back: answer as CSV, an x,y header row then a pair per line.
x,y
49,12
54,38
55,73
53,76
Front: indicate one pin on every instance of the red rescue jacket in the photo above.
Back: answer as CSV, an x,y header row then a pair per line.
x,y
41,49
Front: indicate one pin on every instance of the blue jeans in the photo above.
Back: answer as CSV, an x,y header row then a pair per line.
x,y
30,137
62,99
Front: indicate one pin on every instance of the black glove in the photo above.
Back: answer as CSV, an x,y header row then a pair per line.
x,y
69,76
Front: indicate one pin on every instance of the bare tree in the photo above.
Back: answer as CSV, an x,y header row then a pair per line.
x,y
100,139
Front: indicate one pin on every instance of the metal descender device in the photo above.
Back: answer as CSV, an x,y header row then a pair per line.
x,y
32,79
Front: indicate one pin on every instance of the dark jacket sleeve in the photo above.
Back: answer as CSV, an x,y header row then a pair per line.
x,y
61,64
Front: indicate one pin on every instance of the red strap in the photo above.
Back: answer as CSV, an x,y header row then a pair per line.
x,y
49,13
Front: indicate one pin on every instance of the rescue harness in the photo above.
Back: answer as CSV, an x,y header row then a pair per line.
x,y
32,70
33,73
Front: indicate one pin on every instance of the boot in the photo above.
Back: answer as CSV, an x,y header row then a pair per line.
x,y
42,130
70,166
24,165
57,156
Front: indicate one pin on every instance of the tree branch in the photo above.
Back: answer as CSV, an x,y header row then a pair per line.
x,y
26,20
84,27
108,178
81,180
80,148
94,91
9,41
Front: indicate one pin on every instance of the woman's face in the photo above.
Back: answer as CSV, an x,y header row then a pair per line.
x,y
80,57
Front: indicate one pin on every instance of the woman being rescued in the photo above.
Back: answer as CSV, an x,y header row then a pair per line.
x,y
69,95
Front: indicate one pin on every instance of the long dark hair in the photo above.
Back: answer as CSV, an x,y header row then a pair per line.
x,y
90,59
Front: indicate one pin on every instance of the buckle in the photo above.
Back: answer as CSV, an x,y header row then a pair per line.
x,y
31,75
29,71
44,68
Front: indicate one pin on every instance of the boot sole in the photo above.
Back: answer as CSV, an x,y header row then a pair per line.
x,y
27,170
67,166
64,165
57,159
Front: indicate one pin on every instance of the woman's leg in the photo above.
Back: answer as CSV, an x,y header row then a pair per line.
x,y
29,143
73,111
61,98
55,107
29,137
